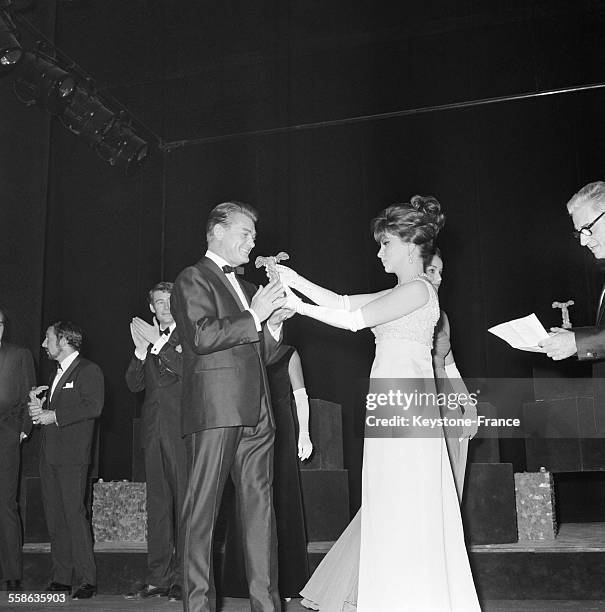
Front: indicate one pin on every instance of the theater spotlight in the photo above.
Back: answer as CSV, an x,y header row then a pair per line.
x,y
87,116
121,147
10,49
41,81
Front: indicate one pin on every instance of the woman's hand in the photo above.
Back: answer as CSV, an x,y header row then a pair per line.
x,y
287,276
293,302
305,446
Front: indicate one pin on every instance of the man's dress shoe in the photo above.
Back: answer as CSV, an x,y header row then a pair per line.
x,y
85,591
175,593
135,593
149,592
57,586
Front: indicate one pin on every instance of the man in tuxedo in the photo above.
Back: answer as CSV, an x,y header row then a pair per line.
x,y
16,379
229,331
157,368
73,402
587,210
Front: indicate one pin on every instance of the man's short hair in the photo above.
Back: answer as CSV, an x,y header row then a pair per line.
x,y
70,331
221,212
592,194
163,286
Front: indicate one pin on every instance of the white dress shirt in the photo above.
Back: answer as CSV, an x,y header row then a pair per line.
x,y
220,262
63,365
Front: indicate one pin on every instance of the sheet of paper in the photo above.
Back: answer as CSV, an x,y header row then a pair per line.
x,y
523,334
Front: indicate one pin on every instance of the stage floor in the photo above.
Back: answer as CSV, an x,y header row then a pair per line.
x,y
500,571
572,537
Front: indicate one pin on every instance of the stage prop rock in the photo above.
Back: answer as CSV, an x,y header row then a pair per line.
x,y
119,512
535,498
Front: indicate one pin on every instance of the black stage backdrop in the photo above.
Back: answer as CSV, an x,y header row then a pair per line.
x,y
209,76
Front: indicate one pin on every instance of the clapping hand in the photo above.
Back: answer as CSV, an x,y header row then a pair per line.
x,y
305,446
34,406
38,415
144,333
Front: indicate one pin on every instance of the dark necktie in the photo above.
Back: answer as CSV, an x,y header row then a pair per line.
x,y
165,332
228,269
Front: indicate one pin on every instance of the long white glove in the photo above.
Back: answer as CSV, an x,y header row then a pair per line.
x,y
305,446
321,296
335,317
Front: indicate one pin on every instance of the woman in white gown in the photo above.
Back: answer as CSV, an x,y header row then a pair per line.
x,y
410,549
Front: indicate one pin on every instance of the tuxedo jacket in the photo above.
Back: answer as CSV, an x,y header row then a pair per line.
x,y
160,376
77,402
590,341
224,356
17,377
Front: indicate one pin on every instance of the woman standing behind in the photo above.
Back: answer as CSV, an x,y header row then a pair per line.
x,y
446,370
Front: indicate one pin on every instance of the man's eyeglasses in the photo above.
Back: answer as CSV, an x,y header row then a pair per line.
x,y
585,229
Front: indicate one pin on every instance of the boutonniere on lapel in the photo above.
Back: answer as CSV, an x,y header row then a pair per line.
x,y
68,385
178,348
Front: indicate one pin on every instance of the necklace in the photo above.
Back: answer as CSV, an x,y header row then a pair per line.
x,y
419,275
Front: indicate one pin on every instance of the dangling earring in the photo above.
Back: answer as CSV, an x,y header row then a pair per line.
x,y
410,258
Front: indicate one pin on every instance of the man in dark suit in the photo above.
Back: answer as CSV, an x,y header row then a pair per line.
x,y
157,368
229,331
16,379
587,210
75,400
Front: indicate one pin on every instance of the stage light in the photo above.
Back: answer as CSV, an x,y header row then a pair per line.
x,y
87,116
121,147
10,49
41,81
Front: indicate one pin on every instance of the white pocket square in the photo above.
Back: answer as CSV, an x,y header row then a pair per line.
x,y
68,385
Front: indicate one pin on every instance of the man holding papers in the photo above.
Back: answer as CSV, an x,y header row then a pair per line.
x,y
587,210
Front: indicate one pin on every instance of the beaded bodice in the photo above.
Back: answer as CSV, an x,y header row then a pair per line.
x,y
417,326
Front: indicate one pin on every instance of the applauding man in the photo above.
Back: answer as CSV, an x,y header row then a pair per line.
x,y
156,368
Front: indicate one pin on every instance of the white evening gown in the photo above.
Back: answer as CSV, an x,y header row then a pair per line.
x,y
409,555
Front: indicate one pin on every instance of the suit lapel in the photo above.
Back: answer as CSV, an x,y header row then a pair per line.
x,y
601,304
222,277
64,377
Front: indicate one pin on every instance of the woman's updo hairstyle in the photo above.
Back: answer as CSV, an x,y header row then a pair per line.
x,y
418,222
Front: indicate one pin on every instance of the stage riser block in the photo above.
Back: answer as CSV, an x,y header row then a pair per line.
x,y
546,576
488,508
498,575
326,503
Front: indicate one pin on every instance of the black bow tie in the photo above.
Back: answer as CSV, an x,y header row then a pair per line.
x,y
165,331
228,269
